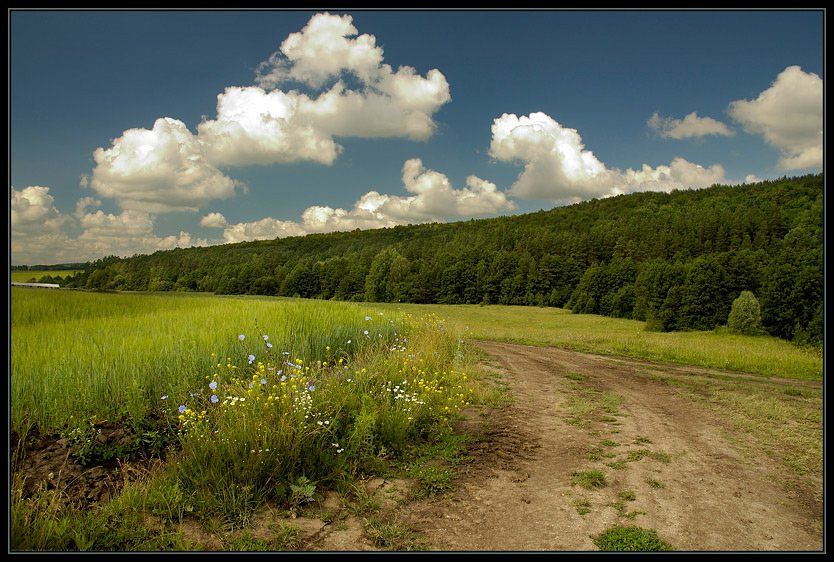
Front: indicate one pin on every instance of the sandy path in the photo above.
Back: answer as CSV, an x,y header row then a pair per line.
x,y
518,494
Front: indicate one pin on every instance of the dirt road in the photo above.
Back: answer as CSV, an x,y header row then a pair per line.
x,y
667,460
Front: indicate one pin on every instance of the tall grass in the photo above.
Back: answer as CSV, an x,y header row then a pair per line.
x,y
75,355
718,349
266,399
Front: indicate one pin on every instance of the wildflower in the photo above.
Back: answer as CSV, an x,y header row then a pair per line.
x,y
241,337
283,378
366,332
367,318
348,341
213,385
181,408
266,337
263,381
251,359
164,397
214,399
268,345
311,388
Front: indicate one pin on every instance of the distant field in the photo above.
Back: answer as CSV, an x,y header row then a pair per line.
x,y
25,276
762,355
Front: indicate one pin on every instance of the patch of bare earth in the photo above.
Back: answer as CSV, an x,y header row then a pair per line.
x,y
667,459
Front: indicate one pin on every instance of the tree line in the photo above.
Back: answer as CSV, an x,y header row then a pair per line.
x,y
675,260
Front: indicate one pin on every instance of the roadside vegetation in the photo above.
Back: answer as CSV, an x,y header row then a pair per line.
x,y
251,402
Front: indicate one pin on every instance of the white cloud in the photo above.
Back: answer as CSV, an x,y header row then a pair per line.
x,y
213,220
85,203
258,127
168,168
40,231
33,211
266,125
691,126
158,170
558,167
788,115
264,229
127,233
434,199
752,178
321,50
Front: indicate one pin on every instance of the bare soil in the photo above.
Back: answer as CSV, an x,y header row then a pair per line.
x,y
518,494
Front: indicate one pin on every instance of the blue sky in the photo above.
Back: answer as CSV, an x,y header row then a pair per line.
x,y
80,79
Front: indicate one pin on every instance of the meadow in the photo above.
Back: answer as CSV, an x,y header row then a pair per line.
x,y
590,333
255,397
27,276
255,401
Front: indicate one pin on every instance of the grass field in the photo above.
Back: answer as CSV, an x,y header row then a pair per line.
x,y
762,355
26,276
262,400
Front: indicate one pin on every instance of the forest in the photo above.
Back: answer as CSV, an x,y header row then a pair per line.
x,y
675,260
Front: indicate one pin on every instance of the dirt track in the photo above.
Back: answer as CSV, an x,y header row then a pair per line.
x,y
518,494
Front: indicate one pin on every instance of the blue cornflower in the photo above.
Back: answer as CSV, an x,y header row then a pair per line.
x,y
251,359
251,384
266,337
241,337
213,385
263,381
268,345
181,408
214,399
311,388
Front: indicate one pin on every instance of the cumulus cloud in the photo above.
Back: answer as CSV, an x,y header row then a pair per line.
x,y
85,203
558,167
326,47
691,126
264,229
433,199
265,125
213,220
167,168
41,233
788,115
33,211
158,170
258,127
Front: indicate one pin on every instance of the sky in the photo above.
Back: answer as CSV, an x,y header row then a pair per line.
x,y
134,131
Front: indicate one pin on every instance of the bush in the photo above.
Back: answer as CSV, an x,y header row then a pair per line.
x,y
745,315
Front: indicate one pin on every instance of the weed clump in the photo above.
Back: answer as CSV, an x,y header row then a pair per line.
x,y
631,538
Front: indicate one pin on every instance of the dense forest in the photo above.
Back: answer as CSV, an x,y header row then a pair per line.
x,y
676,260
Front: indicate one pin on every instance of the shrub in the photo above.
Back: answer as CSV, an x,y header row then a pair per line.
x,y
745,315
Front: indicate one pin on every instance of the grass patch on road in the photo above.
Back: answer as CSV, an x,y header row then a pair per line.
x,y
631,539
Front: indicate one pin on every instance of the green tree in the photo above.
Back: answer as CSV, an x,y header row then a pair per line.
x,y
745,315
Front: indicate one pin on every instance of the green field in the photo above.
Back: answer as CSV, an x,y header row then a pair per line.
x,y
342,386
255,395
26,276
590,333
